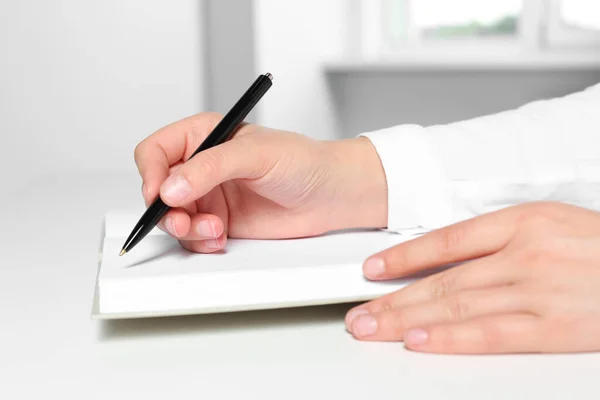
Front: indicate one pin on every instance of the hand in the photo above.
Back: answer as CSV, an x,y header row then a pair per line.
x,y
262,184
533,285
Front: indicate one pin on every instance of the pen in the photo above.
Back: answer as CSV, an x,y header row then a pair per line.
x,y
221,133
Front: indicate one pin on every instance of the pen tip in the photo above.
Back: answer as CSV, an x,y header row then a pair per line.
x,y
122,252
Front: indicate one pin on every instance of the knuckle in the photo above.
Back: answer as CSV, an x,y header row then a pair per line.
x,y
213,164
385,304
199,127
537,222
451,239
205,121
457,308
216,116
444,338
550,209
540,254
544,262
440,286
539,215
194,246
533,253
395,258
393,325
138,152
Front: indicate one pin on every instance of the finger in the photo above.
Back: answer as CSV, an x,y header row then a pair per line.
x,y
149,198
203,227
210,219
509,333
213,203
470,239
176,222
235,159
392,325
205,246
494,270
170,144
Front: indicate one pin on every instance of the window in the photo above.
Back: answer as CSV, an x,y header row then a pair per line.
x,y
429,20
574,23
389,27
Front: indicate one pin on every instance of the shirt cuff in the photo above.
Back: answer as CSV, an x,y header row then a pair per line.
x,y
419,195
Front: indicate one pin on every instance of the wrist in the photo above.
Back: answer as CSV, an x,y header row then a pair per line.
x,y
363,201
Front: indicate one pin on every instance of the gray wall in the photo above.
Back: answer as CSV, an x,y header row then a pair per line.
x,y
371,100
229,45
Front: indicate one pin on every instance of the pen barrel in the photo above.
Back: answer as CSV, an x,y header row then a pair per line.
x,y
230,122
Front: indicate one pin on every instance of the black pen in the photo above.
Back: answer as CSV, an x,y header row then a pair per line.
x,y
221,133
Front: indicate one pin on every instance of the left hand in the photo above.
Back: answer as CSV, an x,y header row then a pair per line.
x,y
532,285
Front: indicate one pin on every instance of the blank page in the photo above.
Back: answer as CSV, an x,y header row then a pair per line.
x,y
159,277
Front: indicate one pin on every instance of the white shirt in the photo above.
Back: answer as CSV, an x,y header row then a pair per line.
x,y
545,150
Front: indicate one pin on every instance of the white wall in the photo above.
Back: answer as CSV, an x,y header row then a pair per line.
x,y
292,39
82,82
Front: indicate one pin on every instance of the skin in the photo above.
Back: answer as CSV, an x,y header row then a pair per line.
x,y
527,279
528,282
262,184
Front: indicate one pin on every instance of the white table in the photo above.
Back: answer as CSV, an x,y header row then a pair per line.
x,y
51,348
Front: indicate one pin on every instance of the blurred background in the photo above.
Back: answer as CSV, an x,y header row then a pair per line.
x,y
82,82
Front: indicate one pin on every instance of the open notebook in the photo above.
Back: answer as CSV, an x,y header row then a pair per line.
x,y
159,278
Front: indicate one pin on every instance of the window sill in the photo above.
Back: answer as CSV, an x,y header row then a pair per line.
x,y
455,60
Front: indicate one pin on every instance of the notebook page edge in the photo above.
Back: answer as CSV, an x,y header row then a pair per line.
x,y
239,289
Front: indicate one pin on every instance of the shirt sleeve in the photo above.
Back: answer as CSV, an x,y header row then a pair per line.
x,y
545,150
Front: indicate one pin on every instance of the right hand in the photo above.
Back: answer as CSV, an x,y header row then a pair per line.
x,y
262,184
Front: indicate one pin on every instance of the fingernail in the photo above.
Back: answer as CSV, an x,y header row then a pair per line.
x,y
364,326
352,314
415,336
213,244
374,267
170,225
176,188
206,228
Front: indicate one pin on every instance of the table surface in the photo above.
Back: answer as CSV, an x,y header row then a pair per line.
x,y
51,348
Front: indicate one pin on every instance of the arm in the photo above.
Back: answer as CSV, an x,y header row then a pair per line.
x,y
545,150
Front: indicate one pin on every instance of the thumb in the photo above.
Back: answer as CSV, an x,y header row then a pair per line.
x,y
234,159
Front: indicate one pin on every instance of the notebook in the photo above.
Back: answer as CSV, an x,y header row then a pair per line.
x,y
160,278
